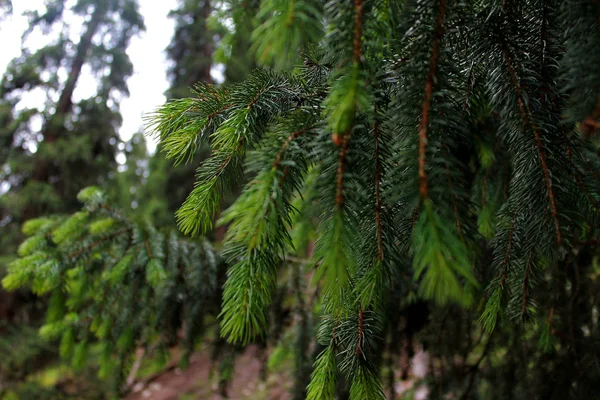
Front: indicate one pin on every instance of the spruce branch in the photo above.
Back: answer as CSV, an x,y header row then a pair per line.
x,y
341,169
526,116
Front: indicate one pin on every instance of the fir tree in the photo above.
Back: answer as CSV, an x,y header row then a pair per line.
x,y
191,54
53,147
67,137
437,150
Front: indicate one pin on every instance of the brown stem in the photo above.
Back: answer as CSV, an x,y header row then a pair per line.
x,y
148,248
284,147
439,30
255,98
361,321
341,169
97,243
378,194
357,30
222,109
525,115
526,287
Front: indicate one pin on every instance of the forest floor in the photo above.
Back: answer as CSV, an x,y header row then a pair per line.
x,y
195,382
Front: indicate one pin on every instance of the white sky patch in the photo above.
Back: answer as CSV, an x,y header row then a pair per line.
x,y
147,53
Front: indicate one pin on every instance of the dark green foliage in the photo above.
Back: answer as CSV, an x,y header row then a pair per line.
x,y
436,131
30,351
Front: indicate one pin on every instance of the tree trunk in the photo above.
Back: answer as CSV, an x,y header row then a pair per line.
x,y
207,49
55,124
65,102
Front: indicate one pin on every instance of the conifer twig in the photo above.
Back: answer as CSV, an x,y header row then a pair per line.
x,y
378,193
526,117
97,243
357,30
526,286
285,145
439,30
341,170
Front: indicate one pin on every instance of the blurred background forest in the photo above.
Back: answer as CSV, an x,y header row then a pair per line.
x,y
63,126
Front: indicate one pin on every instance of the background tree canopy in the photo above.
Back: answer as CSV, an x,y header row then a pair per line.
x,y
396,175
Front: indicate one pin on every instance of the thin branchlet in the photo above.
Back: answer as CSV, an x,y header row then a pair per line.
x,y
97,243
360,333
358,21
341,170
526,286
285,145
378,221
506,260
435,54
526,117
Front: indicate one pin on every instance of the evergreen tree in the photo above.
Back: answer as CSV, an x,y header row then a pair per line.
x,y
191,53
44,151
52,143
234,49
198,29
443,153
191,49
114,281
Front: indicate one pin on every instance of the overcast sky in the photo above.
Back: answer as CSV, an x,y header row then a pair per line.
x,y
149,81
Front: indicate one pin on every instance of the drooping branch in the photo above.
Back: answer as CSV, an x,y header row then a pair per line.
x,y
97,243
526,117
